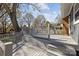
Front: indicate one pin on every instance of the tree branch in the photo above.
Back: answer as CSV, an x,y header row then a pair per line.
x,y
7,8
3,14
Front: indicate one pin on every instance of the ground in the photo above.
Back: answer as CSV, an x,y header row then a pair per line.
x,y
33,46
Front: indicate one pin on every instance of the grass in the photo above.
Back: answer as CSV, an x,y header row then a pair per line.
x,y
7,39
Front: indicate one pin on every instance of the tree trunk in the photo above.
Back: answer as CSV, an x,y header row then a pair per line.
x,y
29,27
13,18
4,26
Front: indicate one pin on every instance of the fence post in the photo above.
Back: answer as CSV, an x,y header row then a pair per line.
x,y
2,48
48,31
8,49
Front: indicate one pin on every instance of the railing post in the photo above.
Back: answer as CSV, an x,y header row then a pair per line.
x,y
8,49
48,31
2,48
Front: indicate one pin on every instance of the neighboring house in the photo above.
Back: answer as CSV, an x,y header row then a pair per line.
x,y
10,29
65,27
1,28
71,10
58,29
6,29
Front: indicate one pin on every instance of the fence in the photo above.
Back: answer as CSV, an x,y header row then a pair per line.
x,y
7,41
13,37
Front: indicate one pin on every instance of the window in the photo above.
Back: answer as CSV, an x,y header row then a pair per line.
x,y
71,15
76,13
77,16
76,6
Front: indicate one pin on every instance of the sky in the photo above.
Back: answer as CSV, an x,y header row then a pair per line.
x,y
49,10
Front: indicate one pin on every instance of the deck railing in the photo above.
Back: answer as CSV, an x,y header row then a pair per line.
x,y
14,37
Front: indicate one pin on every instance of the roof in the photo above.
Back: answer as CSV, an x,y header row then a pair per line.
x,y
65,9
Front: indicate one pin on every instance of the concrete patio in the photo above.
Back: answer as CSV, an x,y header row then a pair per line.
x,y
42,47
58,38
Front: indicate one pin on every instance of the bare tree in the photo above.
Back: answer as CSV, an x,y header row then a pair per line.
x,y
11,10
12,13
39,22
29,18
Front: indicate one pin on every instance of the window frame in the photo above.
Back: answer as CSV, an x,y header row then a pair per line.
x,y
74,13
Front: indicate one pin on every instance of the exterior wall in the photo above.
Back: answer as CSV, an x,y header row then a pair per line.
x,y
73,22
74,27
75,34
